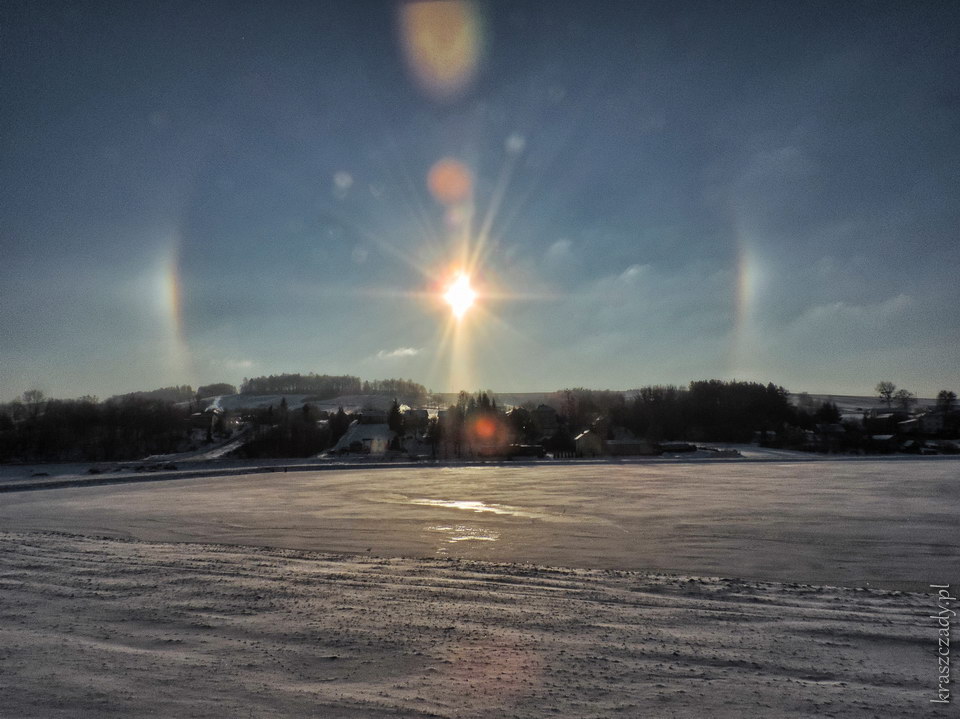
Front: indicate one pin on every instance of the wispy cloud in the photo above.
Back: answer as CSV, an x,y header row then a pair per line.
x,y
559,250
399,352
238,363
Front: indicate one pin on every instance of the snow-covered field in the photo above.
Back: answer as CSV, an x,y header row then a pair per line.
x,y
219,596
350,403
889,523
108,628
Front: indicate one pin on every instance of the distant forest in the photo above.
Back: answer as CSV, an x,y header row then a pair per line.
x,y
133,425
323,386
127,427
167,420
705,410
178,393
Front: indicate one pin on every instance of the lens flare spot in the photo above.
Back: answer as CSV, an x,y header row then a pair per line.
x,y
441,43
449,181
460,295
485,428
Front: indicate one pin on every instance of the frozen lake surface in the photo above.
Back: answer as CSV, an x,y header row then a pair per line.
x,y
880,523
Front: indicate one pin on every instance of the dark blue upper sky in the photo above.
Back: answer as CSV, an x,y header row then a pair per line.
x,y
197,192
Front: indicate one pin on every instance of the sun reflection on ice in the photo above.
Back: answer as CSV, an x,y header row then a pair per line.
x,y
465,533
479,507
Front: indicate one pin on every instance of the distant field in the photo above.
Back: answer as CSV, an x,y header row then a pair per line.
x,y
354,403
845,402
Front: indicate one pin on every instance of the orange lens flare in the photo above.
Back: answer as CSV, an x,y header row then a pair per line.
x,y
450,181
487,433
441,41
485,428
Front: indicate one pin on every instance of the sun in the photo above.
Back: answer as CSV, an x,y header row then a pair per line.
x,y
460,295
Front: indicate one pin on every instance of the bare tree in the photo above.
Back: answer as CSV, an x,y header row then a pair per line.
x,y
33,398
905,398
886,390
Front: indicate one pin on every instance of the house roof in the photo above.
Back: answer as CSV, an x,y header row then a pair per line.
x,y
831,428
358,432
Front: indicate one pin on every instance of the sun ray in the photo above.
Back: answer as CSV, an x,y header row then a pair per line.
x,y
444,345
461,358
485,245
400,181
420,213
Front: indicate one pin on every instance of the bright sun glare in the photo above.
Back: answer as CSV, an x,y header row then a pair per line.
x,y
460,295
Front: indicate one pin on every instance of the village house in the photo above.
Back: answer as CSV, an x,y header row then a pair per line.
x,y
589,444
370,438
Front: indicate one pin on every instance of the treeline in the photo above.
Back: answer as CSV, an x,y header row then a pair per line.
x,y
708,410
121,428
581,407
322,386
704,410
470,419
406,390
177,393
214,390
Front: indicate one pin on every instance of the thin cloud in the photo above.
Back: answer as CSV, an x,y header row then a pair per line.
x,y
398,353
559,250
238,363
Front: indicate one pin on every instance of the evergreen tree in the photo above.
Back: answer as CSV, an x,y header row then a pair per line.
x,y
434,435
828,413
394,418
945,400
338,425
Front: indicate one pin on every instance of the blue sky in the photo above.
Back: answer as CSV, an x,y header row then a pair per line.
x,y
199,192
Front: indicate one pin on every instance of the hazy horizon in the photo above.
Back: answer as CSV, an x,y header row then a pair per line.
x,y
498,393
642,194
